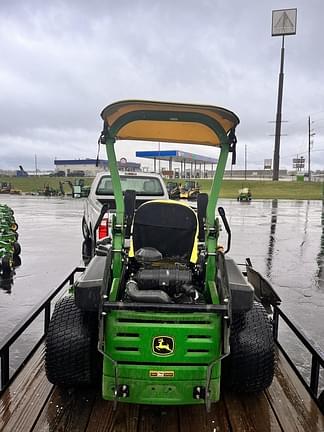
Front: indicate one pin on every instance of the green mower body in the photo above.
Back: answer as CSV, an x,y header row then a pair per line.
x,y
164,358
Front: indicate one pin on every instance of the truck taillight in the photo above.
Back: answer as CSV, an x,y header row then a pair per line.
x,y
103,230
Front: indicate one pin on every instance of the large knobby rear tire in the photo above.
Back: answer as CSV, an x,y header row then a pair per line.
x,y
71,357
251,364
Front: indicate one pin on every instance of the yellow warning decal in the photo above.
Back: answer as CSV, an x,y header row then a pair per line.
x,y
161,374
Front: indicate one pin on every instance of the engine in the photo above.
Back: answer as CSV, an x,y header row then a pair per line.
x,y
154,279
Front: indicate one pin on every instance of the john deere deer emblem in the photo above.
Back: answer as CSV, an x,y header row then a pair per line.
x,y
163,345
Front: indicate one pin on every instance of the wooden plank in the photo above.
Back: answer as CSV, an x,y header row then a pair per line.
x,y
29,404
24,399
66,410
251,412
104,418
13,395
195,418
158,419
294,407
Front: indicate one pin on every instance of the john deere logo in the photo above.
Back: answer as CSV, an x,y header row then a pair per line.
x,y
163,345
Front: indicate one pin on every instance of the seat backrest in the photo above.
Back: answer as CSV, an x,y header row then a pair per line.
x,y
168,226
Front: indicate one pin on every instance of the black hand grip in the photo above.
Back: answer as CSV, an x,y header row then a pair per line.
x,y
222,214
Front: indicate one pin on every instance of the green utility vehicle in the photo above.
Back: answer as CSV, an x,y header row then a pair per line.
x,y
161,314
244,194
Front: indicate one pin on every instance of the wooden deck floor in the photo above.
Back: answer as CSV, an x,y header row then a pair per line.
x,y
31,403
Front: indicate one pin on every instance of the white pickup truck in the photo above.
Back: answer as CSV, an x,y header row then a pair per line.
x,y
95,225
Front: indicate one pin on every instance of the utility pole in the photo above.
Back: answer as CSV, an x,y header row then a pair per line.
x,y
310,142
309,146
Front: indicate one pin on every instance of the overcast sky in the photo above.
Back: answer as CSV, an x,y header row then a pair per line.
x,y
62,62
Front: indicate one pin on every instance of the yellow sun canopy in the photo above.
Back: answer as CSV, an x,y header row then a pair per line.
x,y
169,122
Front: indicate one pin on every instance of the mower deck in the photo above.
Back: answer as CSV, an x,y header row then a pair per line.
x,y
31,403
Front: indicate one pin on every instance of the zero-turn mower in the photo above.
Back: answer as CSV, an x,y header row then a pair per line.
x,y
161,315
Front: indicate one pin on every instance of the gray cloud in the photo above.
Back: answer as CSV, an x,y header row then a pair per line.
x,y
62,62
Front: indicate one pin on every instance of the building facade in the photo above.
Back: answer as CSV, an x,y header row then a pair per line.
x,y
90,167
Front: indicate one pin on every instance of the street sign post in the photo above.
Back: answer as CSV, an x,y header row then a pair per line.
x,y
283,23
299,163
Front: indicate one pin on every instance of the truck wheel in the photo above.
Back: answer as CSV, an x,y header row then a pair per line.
x,y
86,251
250,366
85,230
71,356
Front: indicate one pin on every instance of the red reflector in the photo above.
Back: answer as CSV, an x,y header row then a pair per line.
x,y
103,229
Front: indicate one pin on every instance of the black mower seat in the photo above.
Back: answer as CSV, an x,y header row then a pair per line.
x,y
168,226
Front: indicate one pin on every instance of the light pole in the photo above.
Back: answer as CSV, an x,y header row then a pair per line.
x,y
310,141
159,158
283,23
36,168
245,161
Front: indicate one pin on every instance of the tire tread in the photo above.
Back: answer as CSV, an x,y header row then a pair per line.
x,y
70,355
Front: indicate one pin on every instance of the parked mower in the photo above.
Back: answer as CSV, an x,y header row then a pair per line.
x,y
244,194
173,190
189,190
9,247
161,315
7,222
4,209
5,187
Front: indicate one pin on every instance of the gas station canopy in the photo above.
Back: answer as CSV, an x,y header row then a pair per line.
x,y
176,156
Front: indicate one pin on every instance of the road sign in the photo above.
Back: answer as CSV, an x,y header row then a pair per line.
x,y
299,162
284,22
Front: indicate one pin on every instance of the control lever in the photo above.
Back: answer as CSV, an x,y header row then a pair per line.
x,y
222,214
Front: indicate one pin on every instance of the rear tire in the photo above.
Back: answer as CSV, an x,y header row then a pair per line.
x,y
17,249
6,266
86,251
85,229
250,366
16,261
71,357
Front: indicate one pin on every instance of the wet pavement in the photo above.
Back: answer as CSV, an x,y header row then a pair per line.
x,y
50,237
284,239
